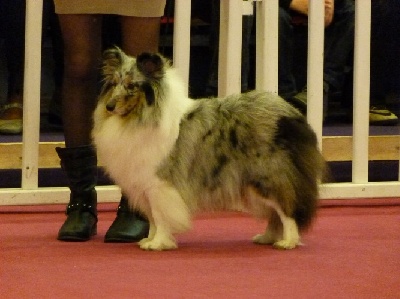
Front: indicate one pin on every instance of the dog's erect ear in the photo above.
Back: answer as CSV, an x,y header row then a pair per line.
x,y
152,66
112,60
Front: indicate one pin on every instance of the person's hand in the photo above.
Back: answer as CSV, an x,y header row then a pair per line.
x,y
301,6
329,9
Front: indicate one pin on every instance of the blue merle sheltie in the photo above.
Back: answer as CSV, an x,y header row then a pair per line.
x,y
172,155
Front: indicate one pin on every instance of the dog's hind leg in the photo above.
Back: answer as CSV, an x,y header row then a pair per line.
x,y
290,232
291,236
169,215
273,232
282,230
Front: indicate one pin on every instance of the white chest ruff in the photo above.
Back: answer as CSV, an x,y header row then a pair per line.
x,y
132,154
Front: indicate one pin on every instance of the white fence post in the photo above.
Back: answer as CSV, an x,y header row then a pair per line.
x,y
361,91
181,39
31,94
315,67
267,23
230,47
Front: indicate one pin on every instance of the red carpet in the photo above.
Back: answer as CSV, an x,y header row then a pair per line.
x,y
352,251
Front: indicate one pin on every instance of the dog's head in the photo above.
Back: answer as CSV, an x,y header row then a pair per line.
x,y
131,84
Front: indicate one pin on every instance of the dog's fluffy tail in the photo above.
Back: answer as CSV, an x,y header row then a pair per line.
x,y
304,168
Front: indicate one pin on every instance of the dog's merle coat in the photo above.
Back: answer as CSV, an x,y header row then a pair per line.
x,y
172,155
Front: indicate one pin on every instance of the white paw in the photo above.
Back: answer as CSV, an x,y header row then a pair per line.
x,y
285,244
158,245
263,239
143,241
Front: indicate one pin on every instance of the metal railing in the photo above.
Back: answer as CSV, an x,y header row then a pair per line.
x,y
229,82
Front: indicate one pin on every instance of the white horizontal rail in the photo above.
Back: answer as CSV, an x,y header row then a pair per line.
x,y
52,195
105,194
360,190
229,78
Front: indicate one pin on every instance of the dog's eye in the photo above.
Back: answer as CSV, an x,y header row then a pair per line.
x,y
131,88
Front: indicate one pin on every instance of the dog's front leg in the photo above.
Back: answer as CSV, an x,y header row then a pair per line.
x,y
169,215
152,232
162,240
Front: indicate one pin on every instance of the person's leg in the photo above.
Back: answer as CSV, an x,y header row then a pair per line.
x,y
140,34
82,57
393,35
14,45
14,31
246,39
384,31
82,51
287,83
287,87
379,55
339,42
212,80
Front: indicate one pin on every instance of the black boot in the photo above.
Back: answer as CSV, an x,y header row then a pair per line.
x,y
80,165
128,226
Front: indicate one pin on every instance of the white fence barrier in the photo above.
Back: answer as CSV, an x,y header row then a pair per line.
x,y
229,82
